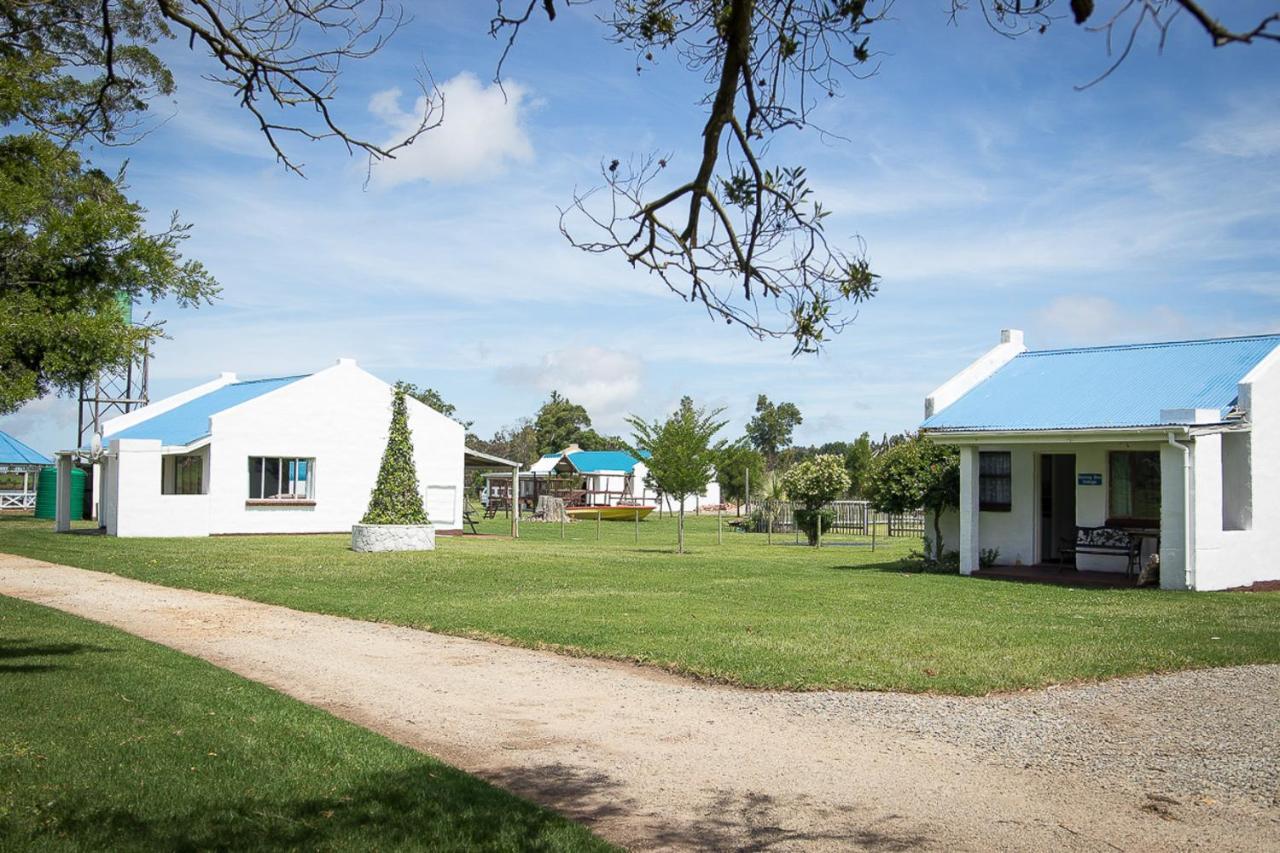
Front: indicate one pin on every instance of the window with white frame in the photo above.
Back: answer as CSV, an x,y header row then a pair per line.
x,y
284,478
995,480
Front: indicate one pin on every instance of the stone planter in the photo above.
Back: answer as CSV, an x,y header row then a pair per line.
x,y
393,537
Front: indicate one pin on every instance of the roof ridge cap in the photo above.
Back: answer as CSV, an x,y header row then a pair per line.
x,y
266,379
1151,344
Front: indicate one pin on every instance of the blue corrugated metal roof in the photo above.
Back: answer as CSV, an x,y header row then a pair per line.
x,y
190,421
602,460
14,452
1101,387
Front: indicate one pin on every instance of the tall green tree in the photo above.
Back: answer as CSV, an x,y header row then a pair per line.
x,y
77,76
72,245
770,430
559,423
683,453
917,474
396,498
858,457
517,442
739,464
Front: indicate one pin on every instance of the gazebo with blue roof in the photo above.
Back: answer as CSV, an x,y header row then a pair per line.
x,y
19,458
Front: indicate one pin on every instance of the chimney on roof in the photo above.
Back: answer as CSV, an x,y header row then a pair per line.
x,y
573,448
1011,336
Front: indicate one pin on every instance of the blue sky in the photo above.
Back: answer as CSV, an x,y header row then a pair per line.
x,y
988,191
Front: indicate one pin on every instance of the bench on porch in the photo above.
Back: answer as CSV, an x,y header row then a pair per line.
x,y
1106,541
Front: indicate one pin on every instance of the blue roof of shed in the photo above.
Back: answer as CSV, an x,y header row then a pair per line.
x,y
14,452
190,421
1106,387
602,460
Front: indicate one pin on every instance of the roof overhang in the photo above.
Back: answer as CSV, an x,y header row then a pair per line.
x,y
479,459
1095,435
19,467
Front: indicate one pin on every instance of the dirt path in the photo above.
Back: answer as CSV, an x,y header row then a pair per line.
x,y
653,761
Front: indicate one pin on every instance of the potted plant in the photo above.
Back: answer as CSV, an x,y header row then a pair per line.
x,y
396,519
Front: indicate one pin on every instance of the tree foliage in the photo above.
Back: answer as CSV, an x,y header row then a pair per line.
x,y
738,464
396,498
858,457
770,430
71,243
683,452
916,474
559,423
813,484
517,442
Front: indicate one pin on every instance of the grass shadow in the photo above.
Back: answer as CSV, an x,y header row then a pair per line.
x,y
18,649
424,807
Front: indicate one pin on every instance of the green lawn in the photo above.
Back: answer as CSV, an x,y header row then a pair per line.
x,y
108,742
743,612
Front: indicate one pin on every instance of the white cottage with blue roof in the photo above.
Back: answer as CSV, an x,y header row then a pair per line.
x,y
295,454
1094,459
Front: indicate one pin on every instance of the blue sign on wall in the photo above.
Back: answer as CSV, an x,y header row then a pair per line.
x,y
1089,479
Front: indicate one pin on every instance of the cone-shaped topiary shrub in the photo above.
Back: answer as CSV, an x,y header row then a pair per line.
x,y
396,499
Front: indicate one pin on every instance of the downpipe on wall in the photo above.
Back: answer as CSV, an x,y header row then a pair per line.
x,y
1188,556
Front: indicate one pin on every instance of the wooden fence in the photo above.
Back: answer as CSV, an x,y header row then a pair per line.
x,y
855,517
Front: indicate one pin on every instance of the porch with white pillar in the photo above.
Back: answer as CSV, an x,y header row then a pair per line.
x,y
970,547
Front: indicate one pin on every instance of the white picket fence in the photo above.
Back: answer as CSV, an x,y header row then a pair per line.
x,y
17,500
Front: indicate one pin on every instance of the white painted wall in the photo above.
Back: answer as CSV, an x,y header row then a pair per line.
x,y
1225,557
339,417
135,505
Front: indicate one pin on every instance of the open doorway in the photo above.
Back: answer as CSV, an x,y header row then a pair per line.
x,y
1057,504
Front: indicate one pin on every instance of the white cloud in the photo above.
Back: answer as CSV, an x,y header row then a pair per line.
x,y
1249,132
480,136
605,381
1098,320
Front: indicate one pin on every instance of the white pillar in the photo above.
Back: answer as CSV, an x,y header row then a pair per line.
x,y
515,502
969,542
62,495
1176,548
95,511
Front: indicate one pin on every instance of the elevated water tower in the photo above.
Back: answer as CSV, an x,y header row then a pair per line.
x,y
114,391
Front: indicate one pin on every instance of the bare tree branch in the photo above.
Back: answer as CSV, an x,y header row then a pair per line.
x,y
264,50
736,236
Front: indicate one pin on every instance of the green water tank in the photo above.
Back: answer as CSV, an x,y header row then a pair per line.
x,y
47,493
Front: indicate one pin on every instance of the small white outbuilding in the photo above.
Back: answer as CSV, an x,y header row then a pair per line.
x,y
1098,458
294,454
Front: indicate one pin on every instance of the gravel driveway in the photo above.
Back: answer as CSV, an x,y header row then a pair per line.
x,y
651,761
